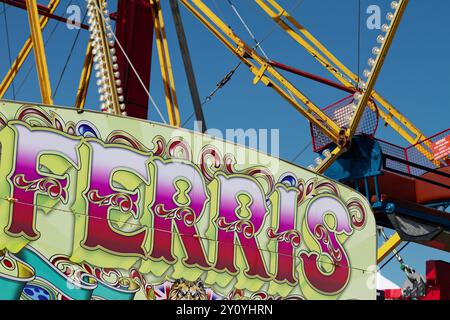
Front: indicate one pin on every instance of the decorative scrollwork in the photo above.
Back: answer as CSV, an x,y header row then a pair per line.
x,y
290,236
120,200
264,296
137,277
357,212
243,226
124,138
323,236
211,161
37,117
51,186
184,214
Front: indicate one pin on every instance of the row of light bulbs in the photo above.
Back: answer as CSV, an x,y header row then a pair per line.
x,y
371,62
376,52
326,154
98,14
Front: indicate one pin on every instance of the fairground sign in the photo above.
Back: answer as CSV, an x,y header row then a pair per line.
x,y
94,206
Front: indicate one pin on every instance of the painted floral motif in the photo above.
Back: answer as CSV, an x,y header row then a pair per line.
x,y
243,226
176,148
36,117
322,234
290,236
184,214
119,200
211,161
52,187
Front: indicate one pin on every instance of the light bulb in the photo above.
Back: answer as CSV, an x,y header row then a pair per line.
x,y
394,5
326,153
361,85
380,39
319,161
366,73
357,96
385,28
122,107
124,113
376,51
119,90
390,16
371,62
312,168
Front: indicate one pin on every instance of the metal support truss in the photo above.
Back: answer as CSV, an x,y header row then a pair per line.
x,y
303,37
24,52
262,69
165,64
84,79
39,52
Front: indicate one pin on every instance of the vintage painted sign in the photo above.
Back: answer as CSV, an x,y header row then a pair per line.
x,y
94,206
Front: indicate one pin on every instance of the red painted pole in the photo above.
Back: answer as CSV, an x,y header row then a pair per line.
x,y
311,76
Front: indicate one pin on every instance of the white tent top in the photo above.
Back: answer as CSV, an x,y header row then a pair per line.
x,y
384,283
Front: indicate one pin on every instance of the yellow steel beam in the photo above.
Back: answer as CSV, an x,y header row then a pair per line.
x,y
387,247
261,69
165,64
279,15
24,52
84,79
39,52
389,114
373,76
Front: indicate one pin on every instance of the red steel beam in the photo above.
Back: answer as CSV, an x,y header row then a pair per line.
x,y
42,10
311,76
134,31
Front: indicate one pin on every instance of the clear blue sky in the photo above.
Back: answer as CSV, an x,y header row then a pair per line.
x,y
415,76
